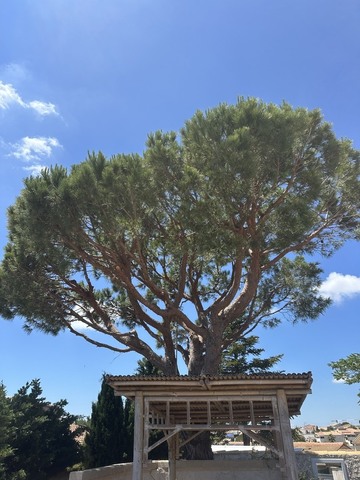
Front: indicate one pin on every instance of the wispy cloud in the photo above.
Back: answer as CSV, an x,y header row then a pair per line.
x,y
9,97
14,73
43,108
339,287
31,149
338,381
34,170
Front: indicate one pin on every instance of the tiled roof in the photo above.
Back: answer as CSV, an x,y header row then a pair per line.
x,y
322,446
184,378
337,433
238,389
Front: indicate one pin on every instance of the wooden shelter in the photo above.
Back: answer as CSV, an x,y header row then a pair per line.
x,y
247,403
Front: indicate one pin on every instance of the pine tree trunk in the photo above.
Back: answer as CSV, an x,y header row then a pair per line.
x,y
200,447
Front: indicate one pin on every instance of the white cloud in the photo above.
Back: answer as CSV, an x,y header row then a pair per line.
x,y
338,381
340,287
34,149
78,325
9,97
35,170
43,108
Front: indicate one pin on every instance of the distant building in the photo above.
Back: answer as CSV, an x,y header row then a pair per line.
x,y
343,435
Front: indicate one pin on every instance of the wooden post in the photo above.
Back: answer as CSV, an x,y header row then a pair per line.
x,y
277,432
138,437
172,447
288,464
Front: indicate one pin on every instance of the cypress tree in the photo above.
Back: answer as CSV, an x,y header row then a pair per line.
x,y
106,441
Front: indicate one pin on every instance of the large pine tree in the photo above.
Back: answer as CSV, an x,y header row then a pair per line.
x,y
188,248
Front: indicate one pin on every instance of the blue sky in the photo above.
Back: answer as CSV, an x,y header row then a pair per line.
x,y
84,75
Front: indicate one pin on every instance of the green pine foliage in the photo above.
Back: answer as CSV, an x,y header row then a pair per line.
x,y
244,357
196,242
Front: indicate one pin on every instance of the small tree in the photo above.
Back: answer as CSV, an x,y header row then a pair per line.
x,y
243,357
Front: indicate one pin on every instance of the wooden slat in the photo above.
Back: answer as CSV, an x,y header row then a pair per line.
x,y
231,412
252,415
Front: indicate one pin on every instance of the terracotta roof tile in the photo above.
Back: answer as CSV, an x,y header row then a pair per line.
x,y
264,376
322,446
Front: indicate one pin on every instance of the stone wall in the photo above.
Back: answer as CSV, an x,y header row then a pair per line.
x,y
189,470
351,460
227,466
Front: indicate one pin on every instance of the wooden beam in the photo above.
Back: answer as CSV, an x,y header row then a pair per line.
x,y
211,426
166,437
184,442
259,439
